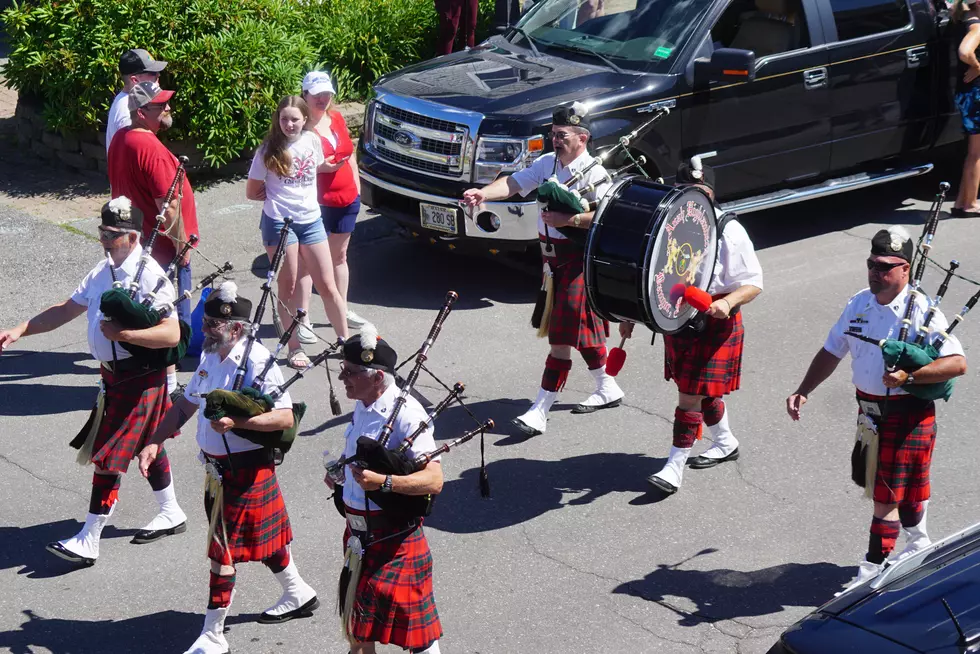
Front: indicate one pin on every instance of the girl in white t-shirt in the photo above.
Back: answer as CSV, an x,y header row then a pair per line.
x,y
283,175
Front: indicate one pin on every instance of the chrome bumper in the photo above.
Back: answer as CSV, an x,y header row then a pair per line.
x,y
518,219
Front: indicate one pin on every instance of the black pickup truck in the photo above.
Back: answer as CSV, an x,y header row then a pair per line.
x,y
786,99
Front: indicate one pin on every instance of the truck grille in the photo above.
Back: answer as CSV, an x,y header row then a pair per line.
x,y
418,142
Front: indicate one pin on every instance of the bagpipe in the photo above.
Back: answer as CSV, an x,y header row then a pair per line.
x,y
564,197
899,353
375,455
120,305
248,402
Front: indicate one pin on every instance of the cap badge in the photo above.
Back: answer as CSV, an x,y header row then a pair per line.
x,y
574,120
225,309
367,356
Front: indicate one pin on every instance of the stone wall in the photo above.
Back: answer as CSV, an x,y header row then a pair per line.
x,y
86,152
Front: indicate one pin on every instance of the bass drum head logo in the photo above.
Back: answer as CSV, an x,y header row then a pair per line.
x,y
683,254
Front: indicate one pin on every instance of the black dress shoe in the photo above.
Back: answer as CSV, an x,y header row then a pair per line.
x,y
149,535
583,408
62,552
524,429
701,462
177,393
956,212
304,611
664,487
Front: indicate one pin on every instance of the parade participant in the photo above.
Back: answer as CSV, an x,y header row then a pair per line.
x,y
392,600
244,504
905,425
283,176
573,324
707,365
133,399
135,66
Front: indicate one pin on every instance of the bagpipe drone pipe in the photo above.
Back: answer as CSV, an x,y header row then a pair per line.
x,y
248,402
375,455
899,353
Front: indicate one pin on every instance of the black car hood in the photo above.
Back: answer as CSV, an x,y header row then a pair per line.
x,y
910,610
499,79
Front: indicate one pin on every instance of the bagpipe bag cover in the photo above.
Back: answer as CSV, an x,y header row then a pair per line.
x,y
117,305
247,404
910,357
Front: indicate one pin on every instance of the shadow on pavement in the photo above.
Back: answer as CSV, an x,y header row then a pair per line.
x,y
33,399
157,633
23,365
724,594
24,548
524,489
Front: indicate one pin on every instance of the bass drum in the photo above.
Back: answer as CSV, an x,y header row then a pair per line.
x,y
647,243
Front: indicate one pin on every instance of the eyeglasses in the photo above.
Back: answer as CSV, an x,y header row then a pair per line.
x,y
156,106
561,136
109,235
346,371
883,266
214,323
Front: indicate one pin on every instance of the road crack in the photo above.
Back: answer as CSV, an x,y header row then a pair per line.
x,y
44,481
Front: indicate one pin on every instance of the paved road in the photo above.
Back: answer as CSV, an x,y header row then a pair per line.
x,y
570,555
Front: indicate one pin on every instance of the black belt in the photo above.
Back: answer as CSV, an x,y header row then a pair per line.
x,y
896,403
249,459
384,522
129,364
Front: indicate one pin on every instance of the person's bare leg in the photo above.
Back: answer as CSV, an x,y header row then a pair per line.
x,y
287,286
318,262
966,198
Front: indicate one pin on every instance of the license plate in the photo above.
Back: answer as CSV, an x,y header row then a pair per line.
x,y
439,218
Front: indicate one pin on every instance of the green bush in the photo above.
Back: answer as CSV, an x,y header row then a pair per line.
x,y
230,61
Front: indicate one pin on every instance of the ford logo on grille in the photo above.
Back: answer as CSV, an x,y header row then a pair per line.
x,y
405,139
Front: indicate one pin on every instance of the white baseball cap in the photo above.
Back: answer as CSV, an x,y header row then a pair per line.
x,y
316,82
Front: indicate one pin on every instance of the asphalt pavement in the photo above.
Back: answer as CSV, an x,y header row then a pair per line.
x,y
571,555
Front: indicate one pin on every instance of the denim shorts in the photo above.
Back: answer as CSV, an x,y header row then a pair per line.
x,y
968,103
340,220
305,234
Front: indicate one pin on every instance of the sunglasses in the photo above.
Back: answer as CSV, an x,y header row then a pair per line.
x,y
109,235
214,323
561,136
883,266
350,372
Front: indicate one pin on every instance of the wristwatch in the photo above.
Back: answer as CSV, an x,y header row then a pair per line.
x,y
910,379
577,220
386,486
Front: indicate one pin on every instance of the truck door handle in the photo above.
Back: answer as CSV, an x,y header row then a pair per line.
x,y
815,78
914,57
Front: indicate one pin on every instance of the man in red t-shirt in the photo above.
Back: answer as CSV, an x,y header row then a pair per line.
x,y
142,169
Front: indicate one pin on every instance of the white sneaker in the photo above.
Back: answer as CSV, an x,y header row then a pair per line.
x,y
607,393
866,572
298,598
212,638
535,421
305,333
354,321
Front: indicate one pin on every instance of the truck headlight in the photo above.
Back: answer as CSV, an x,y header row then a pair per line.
x,y
367,129
497,154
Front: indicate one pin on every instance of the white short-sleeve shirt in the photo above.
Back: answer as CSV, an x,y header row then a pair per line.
x,y
863,315
214,373
368,421
99,280
294,196
528,179
118,117
738,264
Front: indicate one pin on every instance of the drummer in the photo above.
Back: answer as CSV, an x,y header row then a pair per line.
x,y
707,364
572,323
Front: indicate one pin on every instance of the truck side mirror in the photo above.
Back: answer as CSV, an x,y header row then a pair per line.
x,y
728,65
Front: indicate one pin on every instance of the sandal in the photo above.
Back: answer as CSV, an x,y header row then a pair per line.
x,y
297,359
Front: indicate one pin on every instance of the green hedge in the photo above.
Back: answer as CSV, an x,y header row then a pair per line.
x,y
230,60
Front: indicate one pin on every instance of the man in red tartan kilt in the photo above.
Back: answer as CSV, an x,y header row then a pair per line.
x,y
386,585
902,425
245,508
132,398
705,359
573,324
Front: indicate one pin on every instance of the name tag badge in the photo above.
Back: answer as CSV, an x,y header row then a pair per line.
x,y
870,408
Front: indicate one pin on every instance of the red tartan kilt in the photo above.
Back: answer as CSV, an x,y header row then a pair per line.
x,y
572,320
135,404
394,603
905,444
707,363
256,522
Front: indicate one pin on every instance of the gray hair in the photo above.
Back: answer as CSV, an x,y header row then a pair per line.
x,y
389,380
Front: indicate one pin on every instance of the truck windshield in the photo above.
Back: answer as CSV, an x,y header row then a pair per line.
x,y
639,34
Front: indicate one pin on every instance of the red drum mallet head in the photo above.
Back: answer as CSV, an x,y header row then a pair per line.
x,y
697,298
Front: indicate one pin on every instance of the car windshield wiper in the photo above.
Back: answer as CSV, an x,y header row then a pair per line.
x,y
530,41
603,58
